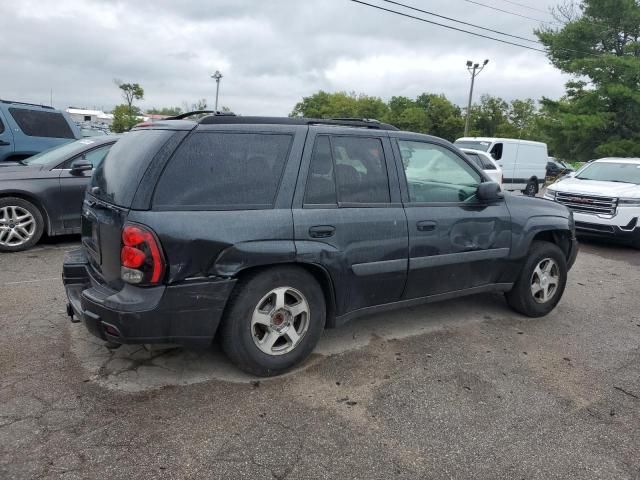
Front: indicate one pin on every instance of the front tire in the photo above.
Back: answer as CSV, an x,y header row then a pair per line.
x,y
273,320
21,224
542,281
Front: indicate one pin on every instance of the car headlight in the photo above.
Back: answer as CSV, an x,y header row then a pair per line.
x,y
629,202
550,194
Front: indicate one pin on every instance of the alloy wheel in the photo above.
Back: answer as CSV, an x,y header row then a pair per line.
x,y
545,280
17,226
280,321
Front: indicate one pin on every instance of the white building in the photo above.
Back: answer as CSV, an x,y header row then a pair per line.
x,y
83,115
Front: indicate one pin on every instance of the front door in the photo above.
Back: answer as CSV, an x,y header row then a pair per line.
x,y
456,242
73,187
6,139
349,218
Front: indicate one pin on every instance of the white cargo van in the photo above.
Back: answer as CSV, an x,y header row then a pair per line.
x,y
523,162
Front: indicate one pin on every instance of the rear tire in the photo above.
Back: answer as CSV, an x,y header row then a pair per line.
x,y
542,281
531,189
273,320
21,224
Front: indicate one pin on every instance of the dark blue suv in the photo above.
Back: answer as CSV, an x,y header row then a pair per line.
x,y
27,129
264,231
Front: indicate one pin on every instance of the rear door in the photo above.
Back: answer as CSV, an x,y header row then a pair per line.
x,y
6,139
348,216
456,242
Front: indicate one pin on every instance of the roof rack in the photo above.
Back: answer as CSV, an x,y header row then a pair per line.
x,y
200,112
344,122
24,103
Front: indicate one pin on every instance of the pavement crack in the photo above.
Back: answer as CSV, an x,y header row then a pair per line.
x,y
627,392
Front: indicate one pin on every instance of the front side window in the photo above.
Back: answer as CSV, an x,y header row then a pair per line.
x,y
486,163
95,156
360,170
38,123
215,170
435,174
475,158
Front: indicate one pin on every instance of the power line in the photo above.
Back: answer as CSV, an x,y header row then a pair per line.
x,y
509,12
460,21
449,27
526,6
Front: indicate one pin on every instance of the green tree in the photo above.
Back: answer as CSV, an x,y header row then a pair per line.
x,y
339,105
444,119
602,116
125,118
169,111
130,92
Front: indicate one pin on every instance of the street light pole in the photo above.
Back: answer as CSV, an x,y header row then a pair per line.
x,y
474,69
217,76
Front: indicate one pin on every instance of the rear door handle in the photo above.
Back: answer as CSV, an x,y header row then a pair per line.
x,y
322,231
426,226
4,143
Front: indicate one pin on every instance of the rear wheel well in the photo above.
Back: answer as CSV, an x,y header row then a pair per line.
x,y
319,273
35,202
562,238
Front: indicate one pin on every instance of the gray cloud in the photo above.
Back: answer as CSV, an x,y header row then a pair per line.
x,y
271,52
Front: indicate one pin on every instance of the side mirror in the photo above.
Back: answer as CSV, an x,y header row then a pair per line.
x,y
80,165
489,192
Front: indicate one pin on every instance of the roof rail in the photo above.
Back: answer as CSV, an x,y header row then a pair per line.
x,y
30,104
200,112
344,122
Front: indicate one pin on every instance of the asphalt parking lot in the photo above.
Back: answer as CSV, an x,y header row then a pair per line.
x,y
460,389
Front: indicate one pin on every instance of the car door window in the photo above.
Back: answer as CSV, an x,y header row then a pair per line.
x,y
37,123
486,163
1,126
321,185
436,174
475,158
95,156
360,170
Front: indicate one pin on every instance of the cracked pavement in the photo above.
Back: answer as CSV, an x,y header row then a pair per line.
x,y
460,389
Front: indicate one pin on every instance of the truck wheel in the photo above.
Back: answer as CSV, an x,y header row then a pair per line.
x,y
273,320
531,189
21,224
541,282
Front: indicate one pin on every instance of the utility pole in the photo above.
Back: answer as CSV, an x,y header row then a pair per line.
x,y
474,69
217,76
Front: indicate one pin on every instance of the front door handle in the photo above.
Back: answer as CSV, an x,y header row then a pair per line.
x,y
4,143
426,226
322,231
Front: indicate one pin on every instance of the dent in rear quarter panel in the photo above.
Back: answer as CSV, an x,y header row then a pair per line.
x,y
204,243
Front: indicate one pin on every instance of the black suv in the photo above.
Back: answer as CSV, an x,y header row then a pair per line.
x,y
268,230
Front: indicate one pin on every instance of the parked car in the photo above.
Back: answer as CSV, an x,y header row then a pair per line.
x,y
486,163
27,129
264,231
523,162
44,193
557,168
605,198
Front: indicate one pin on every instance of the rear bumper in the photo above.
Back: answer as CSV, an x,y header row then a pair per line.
x,y
187,313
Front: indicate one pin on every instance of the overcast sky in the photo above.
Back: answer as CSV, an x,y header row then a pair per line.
x,y
271,52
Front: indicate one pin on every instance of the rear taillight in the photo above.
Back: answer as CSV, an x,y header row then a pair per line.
x,y
141,260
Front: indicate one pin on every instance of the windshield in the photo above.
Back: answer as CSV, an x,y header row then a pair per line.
x,y
611,172
474,145
59,154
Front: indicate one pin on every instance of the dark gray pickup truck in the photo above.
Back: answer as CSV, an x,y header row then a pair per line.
x,y
264,231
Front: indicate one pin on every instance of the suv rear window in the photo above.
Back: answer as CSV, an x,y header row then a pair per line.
x,y
119,174
37,123
220,170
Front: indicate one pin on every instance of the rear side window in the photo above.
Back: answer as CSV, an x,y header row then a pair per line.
x,y
117,177
1,126
38,123
321,185
220,170
360,170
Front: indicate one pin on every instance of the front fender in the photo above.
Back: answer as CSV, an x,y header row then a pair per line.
x,y
523,235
